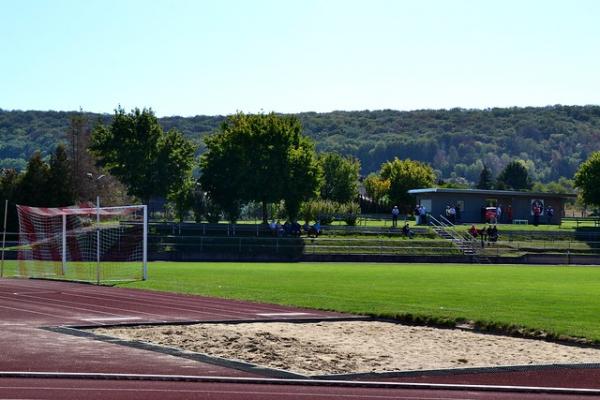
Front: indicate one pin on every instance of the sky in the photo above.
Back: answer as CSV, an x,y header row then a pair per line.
x,y
219,57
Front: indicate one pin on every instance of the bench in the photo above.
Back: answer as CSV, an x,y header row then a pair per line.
x,y
520,222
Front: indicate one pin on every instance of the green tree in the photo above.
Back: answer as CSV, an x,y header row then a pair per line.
x,y
376,187
514,176
340,177
563,185
405,175
587,179
183,198
136,150
33,187
60,180
9,187
486,180
263,158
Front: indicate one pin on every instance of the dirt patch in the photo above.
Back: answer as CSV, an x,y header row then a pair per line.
x,y
358,346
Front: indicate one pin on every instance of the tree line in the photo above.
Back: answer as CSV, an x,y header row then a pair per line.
x,y
261,159
553,141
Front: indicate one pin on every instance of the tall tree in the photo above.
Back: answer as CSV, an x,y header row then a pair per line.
x,y
486,181
587,179
60,182
9,187
514,176
183,198
340,177
136,150
33,188
376,187
263,158
405,175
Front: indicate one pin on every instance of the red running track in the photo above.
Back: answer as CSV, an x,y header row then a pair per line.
x,y
67,389
26,306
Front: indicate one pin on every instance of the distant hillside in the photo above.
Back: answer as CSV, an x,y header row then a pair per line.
x,y
554,140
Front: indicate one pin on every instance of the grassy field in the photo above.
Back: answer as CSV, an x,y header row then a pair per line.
x,y
559,300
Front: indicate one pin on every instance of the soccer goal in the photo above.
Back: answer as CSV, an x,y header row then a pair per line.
x,y
91,244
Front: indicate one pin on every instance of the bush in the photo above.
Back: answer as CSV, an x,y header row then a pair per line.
x,y
212,212
322,210
326,210
350,211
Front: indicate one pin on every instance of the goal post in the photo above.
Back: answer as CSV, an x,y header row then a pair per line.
x,y
83,243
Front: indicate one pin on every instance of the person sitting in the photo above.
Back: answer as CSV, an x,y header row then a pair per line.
x,y
296,229
287,228
315,230
407,232
489,233
482,233
493,234
473,231
273,227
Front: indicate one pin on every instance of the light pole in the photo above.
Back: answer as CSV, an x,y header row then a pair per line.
x,y
96,179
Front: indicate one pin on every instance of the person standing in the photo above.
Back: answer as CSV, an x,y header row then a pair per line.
x,y
536,215
395,213
418,214
423,215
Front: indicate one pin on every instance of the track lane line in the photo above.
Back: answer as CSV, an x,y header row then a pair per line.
x,y
193,301
45,302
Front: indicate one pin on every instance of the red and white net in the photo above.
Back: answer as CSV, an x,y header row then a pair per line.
x,y
81,243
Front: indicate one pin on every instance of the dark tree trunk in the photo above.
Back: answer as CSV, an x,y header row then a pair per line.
x,y
264,212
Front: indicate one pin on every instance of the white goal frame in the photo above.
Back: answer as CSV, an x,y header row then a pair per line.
x,y
98,212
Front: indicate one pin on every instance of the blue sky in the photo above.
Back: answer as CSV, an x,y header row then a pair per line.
x,y
219,57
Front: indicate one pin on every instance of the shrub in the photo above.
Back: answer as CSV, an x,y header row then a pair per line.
x,y
350,212
322,210
212,212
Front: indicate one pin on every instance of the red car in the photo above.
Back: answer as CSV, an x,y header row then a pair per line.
x,y
490,214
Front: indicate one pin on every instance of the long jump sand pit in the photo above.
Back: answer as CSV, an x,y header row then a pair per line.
x,y
325,348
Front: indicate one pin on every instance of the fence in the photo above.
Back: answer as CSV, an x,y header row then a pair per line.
x,y
211,241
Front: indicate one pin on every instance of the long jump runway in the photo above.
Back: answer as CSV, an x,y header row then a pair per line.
x,y
29,307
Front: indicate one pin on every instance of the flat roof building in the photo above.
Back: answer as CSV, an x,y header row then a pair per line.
x,y
472,205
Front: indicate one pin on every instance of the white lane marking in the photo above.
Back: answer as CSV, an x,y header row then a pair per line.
x,y
292,394
283,314
110,319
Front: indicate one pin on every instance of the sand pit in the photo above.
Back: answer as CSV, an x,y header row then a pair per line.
x,y
353,347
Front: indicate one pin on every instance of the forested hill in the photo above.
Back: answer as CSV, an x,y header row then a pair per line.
x,y
553,140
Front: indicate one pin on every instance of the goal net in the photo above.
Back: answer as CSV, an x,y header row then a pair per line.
x,y
85,243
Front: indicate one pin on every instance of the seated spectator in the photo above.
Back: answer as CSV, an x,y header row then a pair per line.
x,y
482,233
493,234
287,228
296,229
489,233
473,231
407,232
315,230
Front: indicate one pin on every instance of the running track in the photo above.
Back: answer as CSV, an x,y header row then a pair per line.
x,y
28,306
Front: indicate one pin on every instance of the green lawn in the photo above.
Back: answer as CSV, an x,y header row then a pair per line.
x,y
557,299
